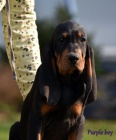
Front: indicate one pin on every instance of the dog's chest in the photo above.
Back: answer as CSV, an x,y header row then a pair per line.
x,y
71,95
59,122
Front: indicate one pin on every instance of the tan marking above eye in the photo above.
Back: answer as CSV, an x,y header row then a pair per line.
x,y
65,35
79,34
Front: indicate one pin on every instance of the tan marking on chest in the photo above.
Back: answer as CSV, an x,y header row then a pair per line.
x,y
77,108
46,108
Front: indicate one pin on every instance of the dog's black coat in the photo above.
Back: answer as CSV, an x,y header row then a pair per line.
x,y
53,110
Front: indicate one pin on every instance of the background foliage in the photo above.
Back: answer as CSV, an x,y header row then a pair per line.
x,y
45,29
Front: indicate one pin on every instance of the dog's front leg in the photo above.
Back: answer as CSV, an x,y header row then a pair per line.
x,y
34,127
76,131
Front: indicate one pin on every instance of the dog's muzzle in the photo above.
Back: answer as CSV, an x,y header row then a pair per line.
x,y
73,58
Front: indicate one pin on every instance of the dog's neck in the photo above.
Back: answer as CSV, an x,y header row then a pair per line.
x,y
70,78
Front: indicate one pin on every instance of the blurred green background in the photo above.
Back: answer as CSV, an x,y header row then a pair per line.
x,y
99,115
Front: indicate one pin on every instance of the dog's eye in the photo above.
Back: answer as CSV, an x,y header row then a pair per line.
x,y
60,39
82,39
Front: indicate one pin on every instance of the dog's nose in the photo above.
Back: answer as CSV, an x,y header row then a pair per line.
x,y
73,58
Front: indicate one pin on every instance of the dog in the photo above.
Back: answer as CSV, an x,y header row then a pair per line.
x,y
64,84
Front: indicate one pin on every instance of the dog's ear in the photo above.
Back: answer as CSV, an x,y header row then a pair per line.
x,y
90,76
49,86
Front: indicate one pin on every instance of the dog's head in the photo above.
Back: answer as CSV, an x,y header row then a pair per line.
x,y
66,53
70,43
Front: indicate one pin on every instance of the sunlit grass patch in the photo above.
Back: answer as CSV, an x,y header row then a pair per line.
x,y
101,126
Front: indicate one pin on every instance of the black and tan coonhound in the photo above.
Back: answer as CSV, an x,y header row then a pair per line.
x,y
64,84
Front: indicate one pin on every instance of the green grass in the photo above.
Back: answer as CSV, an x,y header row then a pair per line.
x,y
7,117
5,124
89,124
96,126
4,130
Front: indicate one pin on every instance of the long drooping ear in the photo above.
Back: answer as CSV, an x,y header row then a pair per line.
x,y
90,76
49,86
